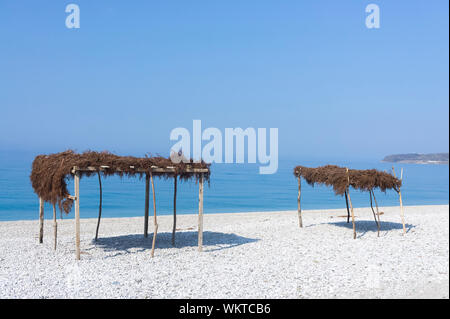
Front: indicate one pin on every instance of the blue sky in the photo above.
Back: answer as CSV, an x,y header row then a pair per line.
x,y
137,69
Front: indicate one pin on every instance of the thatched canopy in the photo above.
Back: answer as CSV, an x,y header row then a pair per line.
x,y
50,173
336,177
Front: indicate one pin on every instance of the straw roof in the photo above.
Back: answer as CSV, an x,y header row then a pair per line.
x,y
50,173
336,177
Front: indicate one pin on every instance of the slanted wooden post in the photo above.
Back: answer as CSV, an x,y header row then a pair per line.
x,y
346,204
99,205
77,212
200,213
400,198
376,206
155,222
351,206
55,226
147,200
299,205
374,214
41,220
174,210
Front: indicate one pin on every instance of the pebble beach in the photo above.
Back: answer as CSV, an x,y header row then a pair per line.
x,y
245,255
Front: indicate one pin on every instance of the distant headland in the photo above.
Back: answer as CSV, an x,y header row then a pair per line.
x,y
414,158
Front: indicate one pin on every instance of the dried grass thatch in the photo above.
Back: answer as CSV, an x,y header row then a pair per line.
x,y
50,173
336,177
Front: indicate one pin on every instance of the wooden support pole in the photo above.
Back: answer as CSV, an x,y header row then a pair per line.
x,y
348,209
174,210
77,214
155,222
351,206
99,205
376,206
401,203
374,215
200,213
353,215
55,226
147,203
299,205
400,199
41,220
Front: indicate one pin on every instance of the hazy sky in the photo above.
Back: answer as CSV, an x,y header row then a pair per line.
x,y
137,69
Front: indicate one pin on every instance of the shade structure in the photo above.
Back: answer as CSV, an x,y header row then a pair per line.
x,y
341,179
50,174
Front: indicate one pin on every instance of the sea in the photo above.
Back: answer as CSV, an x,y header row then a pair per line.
x,y
232,188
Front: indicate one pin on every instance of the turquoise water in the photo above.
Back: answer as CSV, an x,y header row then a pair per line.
x,y
233,188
